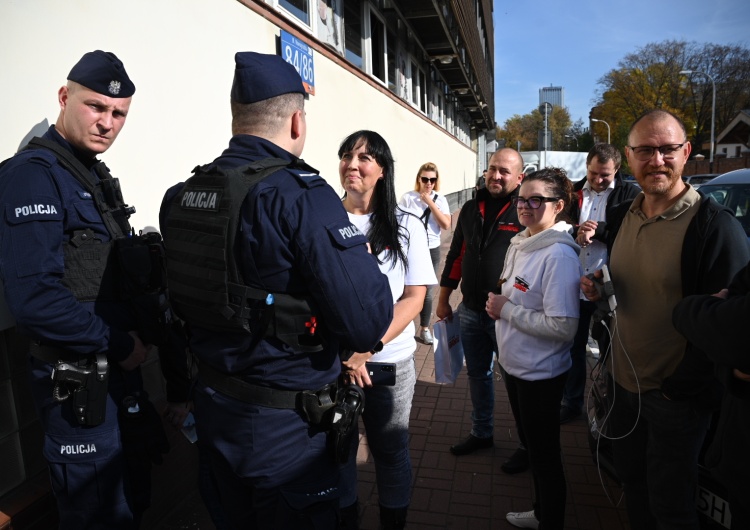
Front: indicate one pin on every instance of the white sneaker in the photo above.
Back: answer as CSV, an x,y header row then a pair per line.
x,y
593,347
523,519
426,336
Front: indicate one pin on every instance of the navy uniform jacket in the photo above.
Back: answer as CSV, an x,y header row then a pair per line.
x,y
295,237
42,204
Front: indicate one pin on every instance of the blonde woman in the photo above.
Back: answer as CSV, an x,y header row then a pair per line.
x,y
435,214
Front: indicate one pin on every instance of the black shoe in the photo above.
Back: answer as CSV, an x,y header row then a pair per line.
x,y
471,444
517,463
568,414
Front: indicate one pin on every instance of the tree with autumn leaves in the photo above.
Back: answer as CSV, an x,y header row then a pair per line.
x,y
646,79
650,78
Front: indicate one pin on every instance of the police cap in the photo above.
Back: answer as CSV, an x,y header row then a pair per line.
x,y
104,73
258,76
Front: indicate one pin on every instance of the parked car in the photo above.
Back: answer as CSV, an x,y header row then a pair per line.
x,y
698,180
630,179
732,190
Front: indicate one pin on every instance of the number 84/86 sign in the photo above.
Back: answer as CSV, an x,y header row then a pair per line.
x,y
299,55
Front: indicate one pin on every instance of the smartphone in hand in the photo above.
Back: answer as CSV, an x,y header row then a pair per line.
x,y
381,373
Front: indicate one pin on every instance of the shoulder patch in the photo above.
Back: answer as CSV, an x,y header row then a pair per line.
x,y
44,209
345,234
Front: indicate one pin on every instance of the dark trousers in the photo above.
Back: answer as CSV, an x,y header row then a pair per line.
x,y
304,505
536,406
656,448
575,386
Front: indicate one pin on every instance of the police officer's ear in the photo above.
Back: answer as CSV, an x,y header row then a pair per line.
x,y
62,96
299,125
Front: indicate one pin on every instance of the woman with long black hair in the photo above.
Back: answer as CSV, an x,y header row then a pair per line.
x,y
399,242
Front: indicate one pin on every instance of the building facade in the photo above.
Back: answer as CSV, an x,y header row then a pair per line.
x,y
554,95
420,72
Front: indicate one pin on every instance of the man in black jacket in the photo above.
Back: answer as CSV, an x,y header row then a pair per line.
x,y
671,242
475,259
597,196
716,323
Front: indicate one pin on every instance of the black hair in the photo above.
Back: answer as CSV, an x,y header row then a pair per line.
x,y
604,153
384,228
559,185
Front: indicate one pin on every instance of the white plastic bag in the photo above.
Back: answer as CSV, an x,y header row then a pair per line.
x,y
449,352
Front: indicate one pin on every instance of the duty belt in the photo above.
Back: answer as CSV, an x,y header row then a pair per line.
x,y
52,354
312,404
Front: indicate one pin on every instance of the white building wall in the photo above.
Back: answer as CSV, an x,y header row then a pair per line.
x,y
180,55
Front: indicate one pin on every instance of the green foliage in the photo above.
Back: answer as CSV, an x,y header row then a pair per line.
x,y
526,129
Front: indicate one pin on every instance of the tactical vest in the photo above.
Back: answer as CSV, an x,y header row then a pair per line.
x,y
205,284
92,271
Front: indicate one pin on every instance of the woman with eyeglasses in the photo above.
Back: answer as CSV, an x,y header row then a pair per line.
x,y
399,243
536,310
435,214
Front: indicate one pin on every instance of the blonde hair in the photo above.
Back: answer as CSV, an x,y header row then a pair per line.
x,y
427,166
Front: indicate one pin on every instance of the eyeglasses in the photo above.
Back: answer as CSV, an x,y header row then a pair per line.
x,y
532,202
425,180
645,152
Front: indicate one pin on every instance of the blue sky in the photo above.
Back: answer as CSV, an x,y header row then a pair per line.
x,y
573,44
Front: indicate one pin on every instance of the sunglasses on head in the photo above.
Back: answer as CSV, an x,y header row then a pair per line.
x,y
425,180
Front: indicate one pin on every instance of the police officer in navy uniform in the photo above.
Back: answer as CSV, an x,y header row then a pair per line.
x,y
273,462
57,266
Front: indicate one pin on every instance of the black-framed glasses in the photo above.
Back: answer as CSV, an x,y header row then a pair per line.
x,y
533,202
645,152
425,180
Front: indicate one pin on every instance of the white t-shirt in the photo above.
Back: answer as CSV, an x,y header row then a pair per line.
x,y
412,202
420,272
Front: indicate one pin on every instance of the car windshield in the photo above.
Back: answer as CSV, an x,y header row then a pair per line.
x,y
735,196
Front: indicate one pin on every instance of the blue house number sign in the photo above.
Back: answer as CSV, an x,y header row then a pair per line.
x,y
299,55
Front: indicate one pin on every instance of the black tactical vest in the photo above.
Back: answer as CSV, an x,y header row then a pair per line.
x,y
92,268
205,284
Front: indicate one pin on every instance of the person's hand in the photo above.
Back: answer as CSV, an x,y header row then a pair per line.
x,y
586,233
426,196
589,289
175,413
723,294
444,311
742,376
494,305
355,371
137,356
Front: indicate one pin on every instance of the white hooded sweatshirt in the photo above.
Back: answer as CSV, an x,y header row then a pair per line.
x,y
536,327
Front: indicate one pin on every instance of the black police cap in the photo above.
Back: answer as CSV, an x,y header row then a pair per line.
x,y
104,73
258,76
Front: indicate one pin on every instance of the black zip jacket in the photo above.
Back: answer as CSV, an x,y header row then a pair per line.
x,y
475,263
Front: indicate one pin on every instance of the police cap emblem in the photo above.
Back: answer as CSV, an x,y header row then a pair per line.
x,y
114,87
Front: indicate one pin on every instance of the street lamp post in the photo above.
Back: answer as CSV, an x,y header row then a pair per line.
x,y
547,106
713,110
608,130
572,138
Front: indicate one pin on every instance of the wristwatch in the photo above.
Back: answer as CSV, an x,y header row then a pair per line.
x,y
378,347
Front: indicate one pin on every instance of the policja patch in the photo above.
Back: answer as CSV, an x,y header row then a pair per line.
x,y
201,198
